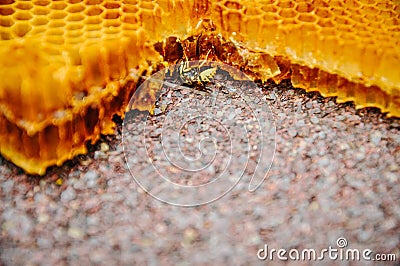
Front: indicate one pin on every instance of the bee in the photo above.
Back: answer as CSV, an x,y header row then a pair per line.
x,y
197,76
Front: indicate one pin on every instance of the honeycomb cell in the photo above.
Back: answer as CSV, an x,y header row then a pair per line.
x,y
345,29
337,3
130,9
384,6
342,21
110,33
73,36
338,11
353,4
93,29
328,32
55,39
322,12
289,22
269,8
112,23
320,3
146,5
367,35
5,35
58,23
93,20
75,17
6,11
250,11
38,30
111,14
58,5
41,2
286,4
56,31
372,17
395,22
94,11
357,19
6,21
326,22
350,36
76,8
40,10
129,29
287,13
235,17
131,2
21,29
38,21
58,14
7,2
388,14
93,2
367,2
373,25
307,18
370,10
131,19
74,1
76,26
112,5
22,15
233,5
24,5
304,7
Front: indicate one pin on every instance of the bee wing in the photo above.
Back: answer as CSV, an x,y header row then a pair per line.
x,y
208,74
146,95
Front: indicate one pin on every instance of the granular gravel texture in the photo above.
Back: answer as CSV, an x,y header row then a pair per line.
x,y
336,174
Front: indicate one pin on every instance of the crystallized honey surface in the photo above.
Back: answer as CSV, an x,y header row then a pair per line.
x,y
68,66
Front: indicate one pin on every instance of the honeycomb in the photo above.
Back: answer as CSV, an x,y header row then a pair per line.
x,y
68,66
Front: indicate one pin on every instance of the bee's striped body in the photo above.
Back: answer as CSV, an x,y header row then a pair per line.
x,y
196,76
